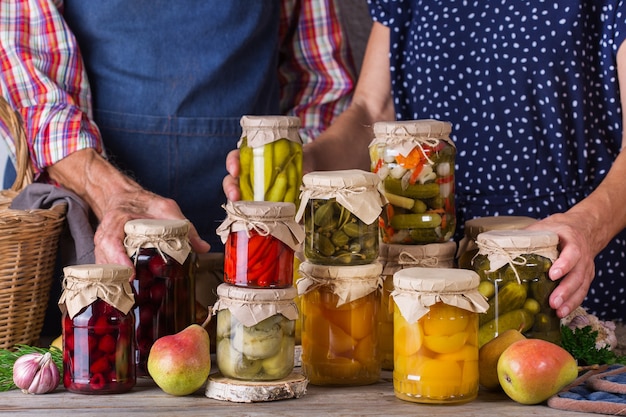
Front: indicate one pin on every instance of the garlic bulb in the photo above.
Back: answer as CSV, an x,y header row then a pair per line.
x,y
35,373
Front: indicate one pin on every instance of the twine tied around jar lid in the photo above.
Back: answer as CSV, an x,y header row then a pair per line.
x,y
418,288
167,236
84,284
261,130
509,247
265,218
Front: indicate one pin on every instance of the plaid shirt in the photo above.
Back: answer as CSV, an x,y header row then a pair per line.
x,y
42,74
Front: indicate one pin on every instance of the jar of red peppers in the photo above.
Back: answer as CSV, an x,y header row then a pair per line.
x,y
260,239
164,283
270,158
340,210
415,162
394,258
98,329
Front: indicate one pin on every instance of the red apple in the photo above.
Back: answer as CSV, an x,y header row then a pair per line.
x,y
532,370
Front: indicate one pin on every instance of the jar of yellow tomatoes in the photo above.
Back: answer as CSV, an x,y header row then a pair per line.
x,y
415,162
340,211
394,258
270,158
436,334
513,268
339,307
473,227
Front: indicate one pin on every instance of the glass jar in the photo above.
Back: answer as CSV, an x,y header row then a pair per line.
x,y
255,332
513,267
394,258
415,162
340,210
270,158
260,239
98,327
473,227
436,334
164,282
339,323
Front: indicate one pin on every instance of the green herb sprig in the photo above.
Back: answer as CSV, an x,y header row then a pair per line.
x,y
8,358
581,344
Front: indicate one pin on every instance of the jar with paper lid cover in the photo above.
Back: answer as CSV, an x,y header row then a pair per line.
x,y
339,311
260,239
270,158
340,211
415,162
255,332
513,267
98,329
473,227
164,283
436,334
394,258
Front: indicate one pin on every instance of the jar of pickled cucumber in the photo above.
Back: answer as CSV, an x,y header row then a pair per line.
x,y
164,284
270,158
436,334
467,246
339,311
394,258
98,327
513,267
260,239
255,332
415,162
340,211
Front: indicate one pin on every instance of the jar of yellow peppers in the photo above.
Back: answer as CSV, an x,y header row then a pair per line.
x,y
436,334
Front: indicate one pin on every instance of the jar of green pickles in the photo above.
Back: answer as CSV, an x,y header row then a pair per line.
x,y
415,162
513,268
393,258
340,211
473,227
270,158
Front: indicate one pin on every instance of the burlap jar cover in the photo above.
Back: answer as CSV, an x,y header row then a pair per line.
x,y
167,236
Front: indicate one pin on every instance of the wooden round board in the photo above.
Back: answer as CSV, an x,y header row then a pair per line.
x,y
220,387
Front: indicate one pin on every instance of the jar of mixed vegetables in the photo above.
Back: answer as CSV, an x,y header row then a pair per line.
x,y
98,329
513,267
415,162
340,211
394,258
255,332
270,158
260,240
436,334
339,313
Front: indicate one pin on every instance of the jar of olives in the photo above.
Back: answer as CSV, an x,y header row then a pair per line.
x,y
394,258
339,312
270,158
341,211
513,267
98,327
164,284
473,227
436,334
415,162
255,332
260,240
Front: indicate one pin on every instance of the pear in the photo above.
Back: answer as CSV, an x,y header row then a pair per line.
x,y
489,354
180,363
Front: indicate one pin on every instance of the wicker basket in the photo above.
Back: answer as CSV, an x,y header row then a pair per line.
x,y
28,250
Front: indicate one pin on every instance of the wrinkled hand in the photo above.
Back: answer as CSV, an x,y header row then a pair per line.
x,y
575,264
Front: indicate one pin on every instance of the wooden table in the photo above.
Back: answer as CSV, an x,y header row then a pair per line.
x,y
146,399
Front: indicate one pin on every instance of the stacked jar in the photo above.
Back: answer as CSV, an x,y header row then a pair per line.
x,y
340,277
255,308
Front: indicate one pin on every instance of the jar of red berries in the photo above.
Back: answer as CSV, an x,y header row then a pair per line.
x,y
164,284
98,329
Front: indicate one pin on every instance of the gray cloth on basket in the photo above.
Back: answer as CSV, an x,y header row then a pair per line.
x,y
77,246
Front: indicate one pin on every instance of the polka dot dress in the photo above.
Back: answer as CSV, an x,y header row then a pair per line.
x,y
531,90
